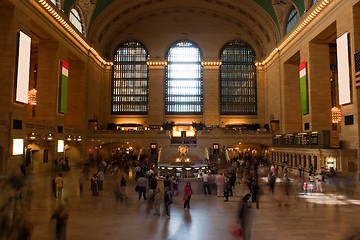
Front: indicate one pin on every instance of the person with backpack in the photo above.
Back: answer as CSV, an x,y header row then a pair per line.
x,y
187,195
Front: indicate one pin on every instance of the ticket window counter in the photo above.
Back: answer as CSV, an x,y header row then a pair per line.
x,y
181,171
330,162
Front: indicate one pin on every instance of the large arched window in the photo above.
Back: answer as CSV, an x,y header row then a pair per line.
x,y
183,85
292,19
76,20
238,79
130,79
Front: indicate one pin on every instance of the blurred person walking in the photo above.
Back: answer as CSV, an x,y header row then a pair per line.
x,y
94,185
167,201
244,217
123,194
187,195
175,185
167,183
157,202
143,183
205,178
100,179
53,186
255,193
227,187
272,180
81,183
61,216
287,185
152,185
220,181
318,183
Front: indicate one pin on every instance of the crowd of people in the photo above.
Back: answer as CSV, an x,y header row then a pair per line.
x,y
219,181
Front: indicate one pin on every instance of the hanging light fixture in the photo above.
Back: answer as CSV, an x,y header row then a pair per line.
x,y
336,115
32,97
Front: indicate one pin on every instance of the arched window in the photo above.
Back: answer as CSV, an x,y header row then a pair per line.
x,y
183,85
76,20
292,19
130,79
238,95
57,3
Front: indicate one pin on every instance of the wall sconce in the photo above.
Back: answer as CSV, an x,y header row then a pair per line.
x,y
78,139
49,137
68,138
32,137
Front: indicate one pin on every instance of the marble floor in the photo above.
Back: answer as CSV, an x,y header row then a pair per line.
x,y
297,217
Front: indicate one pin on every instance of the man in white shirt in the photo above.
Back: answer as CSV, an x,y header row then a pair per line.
x,y
143,183
206,183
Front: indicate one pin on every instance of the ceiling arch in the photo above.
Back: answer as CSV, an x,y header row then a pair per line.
x,y
267,5
176,13
246,20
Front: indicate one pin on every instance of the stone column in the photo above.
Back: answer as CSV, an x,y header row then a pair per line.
x,y
76,95
302,160
319,88
156,94
211,94
47,82
291,102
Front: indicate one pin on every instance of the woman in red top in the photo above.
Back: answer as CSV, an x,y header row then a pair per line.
x,y
187,195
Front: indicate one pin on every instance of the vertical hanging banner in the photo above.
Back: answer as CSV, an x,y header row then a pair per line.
x,y
303,89
63,86
343,69
23,68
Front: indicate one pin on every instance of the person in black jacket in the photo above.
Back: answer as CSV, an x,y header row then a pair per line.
x,y
255,193
167,184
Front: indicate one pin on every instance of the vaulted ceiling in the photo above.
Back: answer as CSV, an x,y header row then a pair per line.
x,y
161,22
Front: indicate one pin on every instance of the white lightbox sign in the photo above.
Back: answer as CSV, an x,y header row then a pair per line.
x,y
343,69
23,66
60,146
18,146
